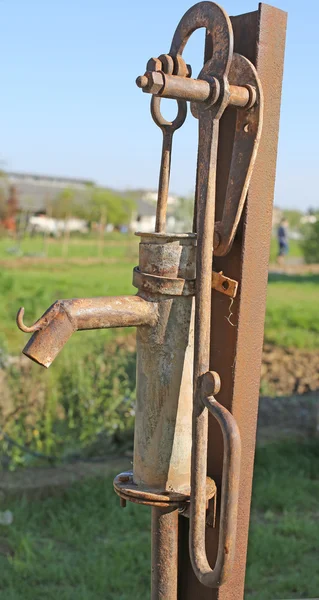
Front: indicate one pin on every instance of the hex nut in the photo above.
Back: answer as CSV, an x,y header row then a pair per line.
x,y
167,63
154,64
155,82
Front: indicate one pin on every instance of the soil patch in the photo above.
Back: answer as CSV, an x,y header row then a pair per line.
x,y
287,371
40,482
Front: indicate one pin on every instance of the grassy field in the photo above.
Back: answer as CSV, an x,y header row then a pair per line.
x,y
73,387
116,245
83,546
292,318
89,246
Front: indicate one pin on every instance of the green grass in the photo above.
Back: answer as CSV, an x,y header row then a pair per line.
x,y
116,245
37,287
82,546
292,317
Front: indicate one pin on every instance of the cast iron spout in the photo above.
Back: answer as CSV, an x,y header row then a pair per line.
x,y
56,326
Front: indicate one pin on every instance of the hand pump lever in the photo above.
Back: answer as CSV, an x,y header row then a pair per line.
x,y
175,387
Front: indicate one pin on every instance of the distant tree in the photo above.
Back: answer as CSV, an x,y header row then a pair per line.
x,y
3,195
310,242
91,204
3,205
117,209
64,205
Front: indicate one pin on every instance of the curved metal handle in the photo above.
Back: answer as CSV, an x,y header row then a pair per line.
x,y
229,502
248,128
218,25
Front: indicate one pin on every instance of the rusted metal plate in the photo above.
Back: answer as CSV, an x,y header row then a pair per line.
x,y
224,285
236,350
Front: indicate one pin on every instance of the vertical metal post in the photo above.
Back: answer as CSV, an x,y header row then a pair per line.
x,y
164,553
236,350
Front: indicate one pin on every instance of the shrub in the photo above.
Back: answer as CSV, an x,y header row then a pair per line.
x,y
310,243
83,408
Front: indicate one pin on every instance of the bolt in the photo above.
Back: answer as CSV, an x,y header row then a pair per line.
x,y
123,478
122,502
142,81
152,82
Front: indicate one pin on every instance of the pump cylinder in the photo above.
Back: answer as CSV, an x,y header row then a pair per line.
x,y
163,421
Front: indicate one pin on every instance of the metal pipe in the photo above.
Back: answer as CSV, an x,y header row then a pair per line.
x,y
164,553
64,317
163,412
193,90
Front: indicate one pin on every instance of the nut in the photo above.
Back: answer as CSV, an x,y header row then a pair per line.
x,y
154,64
167,64
181,68
155,82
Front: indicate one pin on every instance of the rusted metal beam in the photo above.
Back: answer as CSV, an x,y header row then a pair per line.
x,y
236,346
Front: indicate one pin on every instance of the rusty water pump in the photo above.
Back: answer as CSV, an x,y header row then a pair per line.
x,y
172,310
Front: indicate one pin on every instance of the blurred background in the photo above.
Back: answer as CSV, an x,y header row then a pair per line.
x,y
79,166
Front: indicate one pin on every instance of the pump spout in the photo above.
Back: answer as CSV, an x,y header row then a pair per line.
x,y
56,326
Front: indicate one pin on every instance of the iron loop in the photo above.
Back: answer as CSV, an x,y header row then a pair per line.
x,y
159,119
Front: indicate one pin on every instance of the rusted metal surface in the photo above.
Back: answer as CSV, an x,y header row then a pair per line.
x,y
217,67
229,503
238,87
236,351
176,286
163,414
164,554
248,129
127,489
168,129
64,317
162,85
224,284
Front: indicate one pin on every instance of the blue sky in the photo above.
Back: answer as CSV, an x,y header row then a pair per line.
x,y
69,104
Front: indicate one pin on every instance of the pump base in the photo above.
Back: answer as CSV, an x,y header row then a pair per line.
x,y
125,487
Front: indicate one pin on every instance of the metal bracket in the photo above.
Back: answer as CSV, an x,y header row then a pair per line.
x,y
224,284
